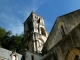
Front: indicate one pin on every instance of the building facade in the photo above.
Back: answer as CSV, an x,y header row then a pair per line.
x,y
35,35
63,42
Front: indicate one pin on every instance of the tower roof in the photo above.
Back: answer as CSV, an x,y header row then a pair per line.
x,y
33,13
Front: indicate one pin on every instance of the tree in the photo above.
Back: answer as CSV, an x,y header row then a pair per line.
x,y
9,41
2,34
17,39
6,43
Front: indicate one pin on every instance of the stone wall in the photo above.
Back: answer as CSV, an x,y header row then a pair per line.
x,y
32,56
68,47
67,22
72,40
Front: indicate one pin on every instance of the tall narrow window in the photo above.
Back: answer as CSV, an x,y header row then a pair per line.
x,y
43,31
62,31
32,57
38,25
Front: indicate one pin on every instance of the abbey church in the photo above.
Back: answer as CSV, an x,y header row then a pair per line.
x,y
62,43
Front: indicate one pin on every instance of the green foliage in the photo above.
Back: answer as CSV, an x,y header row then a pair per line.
x,y
9,41
16,41
9,33
2,33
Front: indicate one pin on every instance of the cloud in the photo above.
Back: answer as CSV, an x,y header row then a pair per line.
x,y
13,23
17,28
37,4
14,13
33,6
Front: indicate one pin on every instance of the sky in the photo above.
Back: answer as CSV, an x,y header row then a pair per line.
x,y
13,13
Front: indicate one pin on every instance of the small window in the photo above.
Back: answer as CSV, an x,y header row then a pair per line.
x,y
62,31
76,57
27,47
36,17
38,20
32,57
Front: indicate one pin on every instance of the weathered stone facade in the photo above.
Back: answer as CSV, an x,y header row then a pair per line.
x,y
63,42
35,35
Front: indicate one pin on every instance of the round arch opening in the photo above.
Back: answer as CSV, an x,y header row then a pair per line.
x,y
43,31
74,54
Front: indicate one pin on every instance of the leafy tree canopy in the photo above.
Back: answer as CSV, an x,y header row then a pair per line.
x,y
9,41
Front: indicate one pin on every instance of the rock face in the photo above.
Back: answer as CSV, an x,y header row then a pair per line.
x,y
63,42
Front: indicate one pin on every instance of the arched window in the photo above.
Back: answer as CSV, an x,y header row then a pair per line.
x,y
43,31
62,31
40,21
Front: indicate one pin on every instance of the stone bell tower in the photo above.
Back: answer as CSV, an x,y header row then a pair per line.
x,y
35,33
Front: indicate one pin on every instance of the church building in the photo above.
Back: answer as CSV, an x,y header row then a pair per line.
x,y
62,43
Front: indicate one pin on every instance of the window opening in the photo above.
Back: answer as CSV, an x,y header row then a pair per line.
x,y
43,31
76,57
38,20
62,31
32,57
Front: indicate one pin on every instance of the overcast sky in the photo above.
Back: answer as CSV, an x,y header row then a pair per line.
x,y
13,13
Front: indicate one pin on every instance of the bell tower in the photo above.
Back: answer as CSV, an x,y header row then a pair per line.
x,y
35,33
